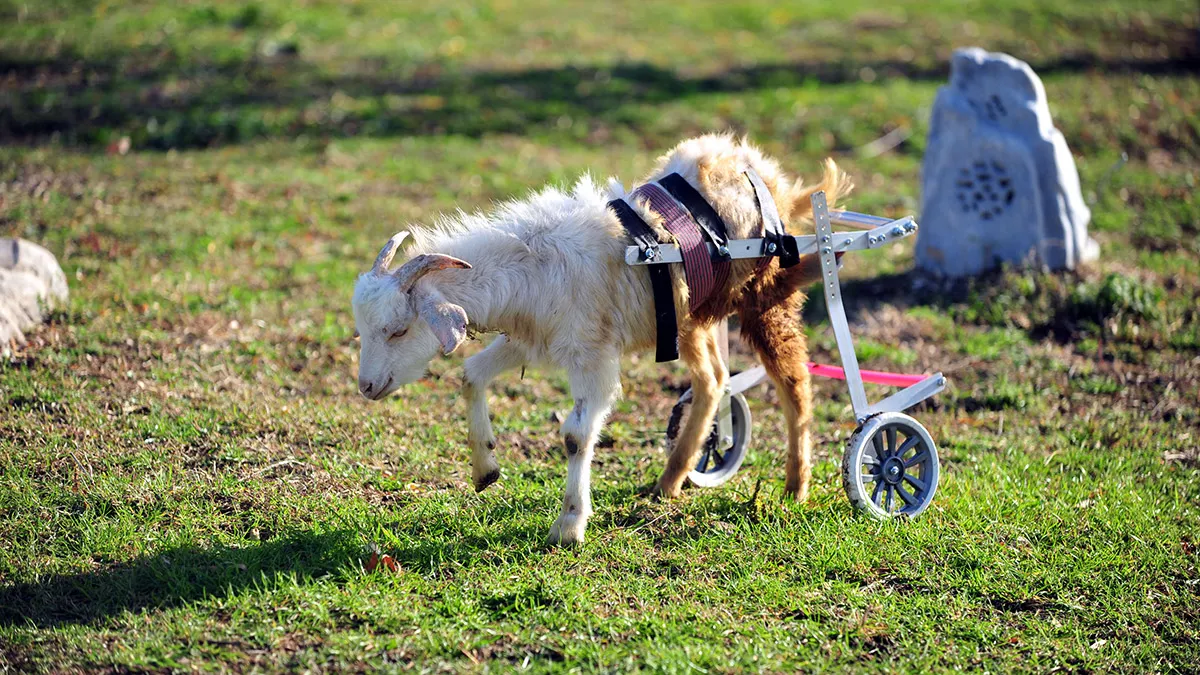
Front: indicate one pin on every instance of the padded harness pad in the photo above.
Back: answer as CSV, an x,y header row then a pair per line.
x,y
703,276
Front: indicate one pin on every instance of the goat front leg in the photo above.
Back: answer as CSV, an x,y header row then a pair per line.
x,y
594,390
699,349
478,372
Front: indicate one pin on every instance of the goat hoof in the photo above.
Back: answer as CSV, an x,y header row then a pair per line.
x,y
792,494
662,492
484,482
567,530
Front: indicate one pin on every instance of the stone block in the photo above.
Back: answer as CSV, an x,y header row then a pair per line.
x,y
998,183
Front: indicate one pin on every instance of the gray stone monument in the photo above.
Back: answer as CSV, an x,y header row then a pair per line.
x,y
998,182
31,282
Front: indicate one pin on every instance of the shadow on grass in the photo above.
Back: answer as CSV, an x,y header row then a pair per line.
x,y
903,290
186,574
1049,303
162,101
174,577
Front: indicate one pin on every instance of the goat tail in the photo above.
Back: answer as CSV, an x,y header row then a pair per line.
x,y
835,183
804,273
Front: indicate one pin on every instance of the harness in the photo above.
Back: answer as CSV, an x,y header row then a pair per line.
x,y
695,224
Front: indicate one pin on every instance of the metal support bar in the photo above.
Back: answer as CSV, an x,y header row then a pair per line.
x,y
747,379
855,219
740,249
725,411
910,396
725,421
837,312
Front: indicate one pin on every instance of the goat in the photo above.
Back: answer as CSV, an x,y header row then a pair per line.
x,y
548,273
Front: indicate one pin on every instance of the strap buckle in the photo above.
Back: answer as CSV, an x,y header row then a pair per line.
x,y
775,239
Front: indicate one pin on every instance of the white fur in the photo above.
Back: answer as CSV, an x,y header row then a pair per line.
x,y
548,273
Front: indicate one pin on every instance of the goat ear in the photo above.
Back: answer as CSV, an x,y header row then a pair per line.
x,y
448,320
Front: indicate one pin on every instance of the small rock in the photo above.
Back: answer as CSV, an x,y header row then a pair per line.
x,y
31,283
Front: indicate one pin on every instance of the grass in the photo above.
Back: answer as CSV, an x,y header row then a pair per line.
x,y
189,481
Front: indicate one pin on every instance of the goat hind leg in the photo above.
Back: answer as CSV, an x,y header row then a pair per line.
x,y
702,354
798,412
782,348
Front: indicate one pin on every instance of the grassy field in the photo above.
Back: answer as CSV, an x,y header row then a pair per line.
x,y
190,481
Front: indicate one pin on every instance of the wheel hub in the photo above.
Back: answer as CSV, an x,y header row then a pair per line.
x,y
893,470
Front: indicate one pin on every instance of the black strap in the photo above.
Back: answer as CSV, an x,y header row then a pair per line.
x,y
660,281
774,233
710,223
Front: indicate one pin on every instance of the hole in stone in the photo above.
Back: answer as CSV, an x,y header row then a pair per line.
x,y
978,191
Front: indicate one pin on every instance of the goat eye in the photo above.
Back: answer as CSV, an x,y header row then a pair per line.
x,y
398,334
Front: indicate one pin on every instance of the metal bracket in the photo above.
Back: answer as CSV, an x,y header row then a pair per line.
x,y
910,396
739,249
725,421
747,379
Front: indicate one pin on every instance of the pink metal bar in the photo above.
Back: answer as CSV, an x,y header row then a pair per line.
x,y
872,376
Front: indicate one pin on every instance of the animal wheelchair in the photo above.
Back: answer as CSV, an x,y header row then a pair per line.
x,y
890,464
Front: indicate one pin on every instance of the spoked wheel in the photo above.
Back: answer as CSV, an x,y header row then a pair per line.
x,y
717,461
890,467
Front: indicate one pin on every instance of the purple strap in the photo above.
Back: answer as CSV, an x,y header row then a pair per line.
x,y
702,275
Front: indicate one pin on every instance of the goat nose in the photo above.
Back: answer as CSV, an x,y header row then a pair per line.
x,y
366,387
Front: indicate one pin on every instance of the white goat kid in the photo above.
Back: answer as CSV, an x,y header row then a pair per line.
x,y
548,273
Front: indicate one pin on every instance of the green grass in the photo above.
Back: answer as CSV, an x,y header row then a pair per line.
x,y
189,480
